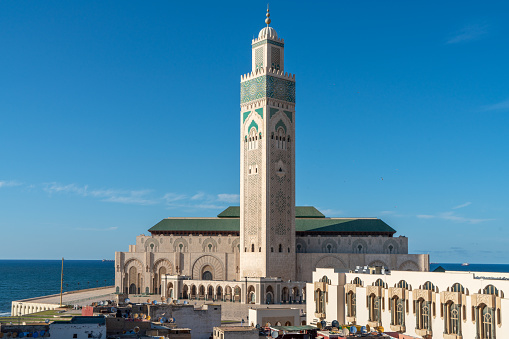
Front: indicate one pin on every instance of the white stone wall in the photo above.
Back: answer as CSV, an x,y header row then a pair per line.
x,y
82,331
21,308
200,320
262,316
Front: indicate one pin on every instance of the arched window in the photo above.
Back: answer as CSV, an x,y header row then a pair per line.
x,y
375,309
423,314
281,138
403,284
299,248
457,287
320,300
428,286
452,323
379,282
280,248
357,281
485,322
490,289
397,311
350,304
252,139
252,247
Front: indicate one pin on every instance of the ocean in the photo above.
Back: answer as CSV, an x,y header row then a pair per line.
x,y
22,279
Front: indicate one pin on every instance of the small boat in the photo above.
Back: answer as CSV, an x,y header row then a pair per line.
x,y
465,264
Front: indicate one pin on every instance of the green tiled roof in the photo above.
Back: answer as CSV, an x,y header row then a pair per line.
x,y
198,224
300,212
232,224
307,212
230,212
342,225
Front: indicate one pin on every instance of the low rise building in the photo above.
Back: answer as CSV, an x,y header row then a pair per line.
x,y
266,317
235,332
201,320
79,327
452,305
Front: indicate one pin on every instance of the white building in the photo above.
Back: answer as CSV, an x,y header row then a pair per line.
x,y
79,327
449,305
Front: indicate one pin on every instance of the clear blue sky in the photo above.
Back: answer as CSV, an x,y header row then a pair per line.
x,y
117,114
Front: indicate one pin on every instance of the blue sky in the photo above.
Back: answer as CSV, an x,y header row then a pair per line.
x,y
115,115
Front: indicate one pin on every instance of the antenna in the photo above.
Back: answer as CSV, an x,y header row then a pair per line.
x,y
62,282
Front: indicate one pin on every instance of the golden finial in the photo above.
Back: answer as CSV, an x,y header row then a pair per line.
x,y
267,21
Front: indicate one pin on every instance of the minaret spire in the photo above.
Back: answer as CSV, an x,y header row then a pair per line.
x,y
267,21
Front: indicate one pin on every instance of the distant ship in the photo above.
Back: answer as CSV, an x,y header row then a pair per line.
x,y
107,260
465,264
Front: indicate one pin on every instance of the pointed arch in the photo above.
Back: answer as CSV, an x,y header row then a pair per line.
x,y
208,260
329,261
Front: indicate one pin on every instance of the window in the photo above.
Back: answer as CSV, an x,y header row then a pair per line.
x,y
422,318
281,139
397,311
280,248
252,140
357,281
350,304
75,335
252,247
375,308
320,300
452,323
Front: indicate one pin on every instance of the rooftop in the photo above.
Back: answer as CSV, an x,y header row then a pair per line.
x,y
308,221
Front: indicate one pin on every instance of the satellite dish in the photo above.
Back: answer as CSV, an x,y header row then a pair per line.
x,y
319,325
35,335
324,323
163,320
105,303
172,320
186,302
353,329
257,326
127,300
380,329
149,317
345,331
335,323
135,315
154,302
42,333
136,329
363,329
274,334
149,301
46,321
144,316
101,303
113,309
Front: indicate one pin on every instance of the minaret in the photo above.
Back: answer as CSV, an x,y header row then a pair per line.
x,y
267,166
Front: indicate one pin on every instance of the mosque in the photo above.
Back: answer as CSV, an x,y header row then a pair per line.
x,y
265,250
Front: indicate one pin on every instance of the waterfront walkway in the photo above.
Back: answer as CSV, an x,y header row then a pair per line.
x,y
50,302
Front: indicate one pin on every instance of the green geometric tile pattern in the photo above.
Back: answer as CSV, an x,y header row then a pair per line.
x,y
259,111
263,42
280,123
245,115
289,115
253,124
267,86
273,111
